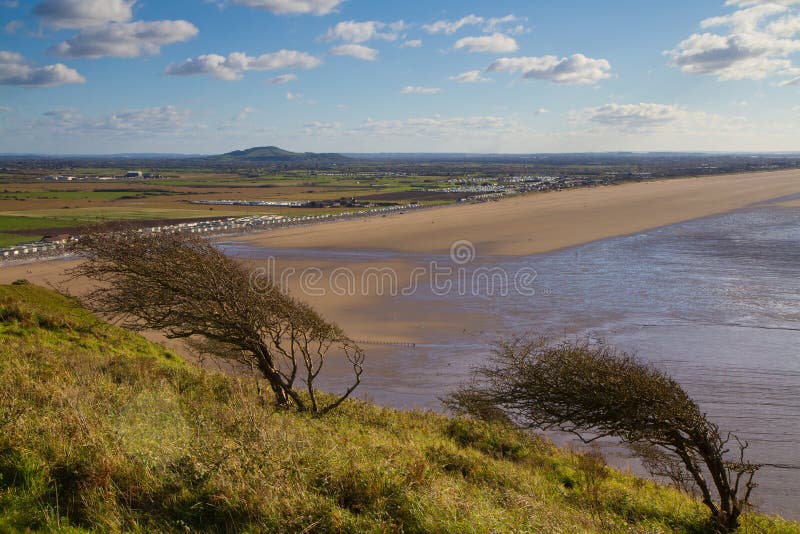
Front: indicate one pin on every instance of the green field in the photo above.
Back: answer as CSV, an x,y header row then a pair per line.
x,y
8,240
31,208
24,222
9,224
76,195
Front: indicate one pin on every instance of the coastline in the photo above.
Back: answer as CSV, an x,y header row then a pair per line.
x,y
543,222
517,226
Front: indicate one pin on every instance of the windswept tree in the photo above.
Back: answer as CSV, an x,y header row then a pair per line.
x,y
184,286
595,391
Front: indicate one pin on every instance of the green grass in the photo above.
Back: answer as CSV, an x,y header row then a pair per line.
x,y
101,430
14,221
11,223
76,195
9,240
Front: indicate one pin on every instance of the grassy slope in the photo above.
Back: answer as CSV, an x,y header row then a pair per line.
x,y
103,430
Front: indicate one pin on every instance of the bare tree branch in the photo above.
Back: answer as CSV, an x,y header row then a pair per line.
x,y
183,286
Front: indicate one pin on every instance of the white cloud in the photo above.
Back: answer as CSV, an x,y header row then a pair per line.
x,y
745,3
282,79
244,113
83,13
471,76
417,90
126,39
13,26
14,70
793,81
354,50
510,24
576,69
745,19
541,111
734,57
451,27
411,43
145,121
235,64
360,32
298,98
758,43
496,43
6,109
286,7
238,120
446,134
634,116
788,26
155,119
63,116
649,117
322,129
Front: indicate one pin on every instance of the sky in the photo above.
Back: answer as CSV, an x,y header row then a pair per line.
x,y
517,76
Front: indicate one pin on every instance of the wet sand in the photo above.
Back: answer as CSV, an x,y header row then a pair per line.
x,y
367,313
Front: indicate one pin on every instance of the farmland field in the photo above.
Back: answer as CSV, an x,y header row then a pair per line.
x,y
31,208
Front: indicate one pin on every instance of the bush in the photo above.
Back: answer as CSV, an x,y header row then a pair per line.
x,y
594,391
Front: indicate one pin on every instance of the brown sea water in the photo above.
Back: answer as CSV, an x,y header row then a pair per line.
x,y
715,302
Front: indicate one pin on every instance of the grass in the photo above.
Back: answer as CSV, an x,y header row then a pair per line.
x,y
28,206
77,194
9,224
101,430
9,240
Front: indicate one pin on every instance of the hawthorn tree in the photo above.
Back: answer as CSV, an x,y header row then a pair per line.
x,y
595,391
185,287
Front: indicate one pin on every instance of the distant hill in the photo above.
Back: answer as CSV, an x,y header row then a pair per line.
x,y
273,154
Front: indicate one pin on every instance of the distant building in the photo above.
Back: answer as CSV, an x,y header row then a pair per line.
x,y
133,174
60,238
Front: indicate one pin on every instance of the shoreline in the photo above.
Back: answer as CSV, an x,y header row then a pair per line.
x,y
542,222
517,226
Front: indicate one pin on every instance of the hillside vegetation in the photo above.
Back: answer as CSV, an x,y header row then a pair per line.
x,y
101,430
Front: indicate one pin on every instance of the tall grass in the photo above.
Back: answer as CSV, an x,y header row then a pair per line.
x,y
101,430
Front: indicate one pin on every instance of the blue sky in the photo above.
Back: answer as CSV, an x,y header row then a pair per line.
x,y
198,76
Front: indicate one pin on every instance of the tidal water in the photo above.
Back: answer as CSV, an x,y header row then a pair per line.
x,y
715,302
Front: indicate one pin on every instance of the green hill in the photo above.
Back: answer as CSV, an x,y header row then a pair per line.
x,y
272,154
101,430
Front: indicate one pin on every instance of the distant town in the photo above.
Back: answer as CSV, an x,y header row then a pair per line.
x,y
130,175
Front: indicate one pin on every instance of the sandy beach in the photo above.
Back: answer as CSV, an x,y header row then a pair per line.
x,y
514,227
544,222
